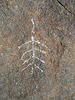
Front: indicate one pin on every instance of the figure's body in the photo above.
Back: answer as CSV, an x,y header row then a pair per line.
x,y
33,54
33,50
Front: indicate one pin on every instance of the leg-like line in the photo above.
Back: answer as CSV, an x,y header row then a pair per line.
x,y
41,51
26,61
42,45
26,52
40,59
27,66
38,68
19,47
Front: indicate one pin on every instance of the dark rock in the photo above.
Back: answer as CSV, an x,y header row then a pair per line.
x,y
54,22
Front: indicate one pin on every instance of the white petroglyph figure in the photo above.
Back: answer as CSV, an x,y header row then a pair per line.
x,y
33,50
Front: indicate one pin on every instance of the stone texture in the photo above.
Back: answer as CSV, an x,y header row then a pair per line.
x,y
55,27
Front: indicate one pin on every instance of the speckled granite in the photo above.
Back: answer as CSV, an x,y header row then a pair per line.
x,y
54,27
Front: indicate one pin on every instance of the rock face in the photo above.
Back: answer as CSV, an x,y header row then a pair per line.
x,y
54,27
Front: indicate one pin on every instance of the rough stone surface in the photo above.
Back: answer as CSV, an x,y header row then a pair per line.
x,y
54,27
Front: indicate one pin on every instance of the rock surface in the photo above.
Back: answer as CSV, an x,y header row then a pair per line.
x,y
54,27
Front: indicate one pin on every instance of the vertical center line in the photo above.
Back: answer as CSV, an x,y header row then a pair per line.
x,y
32,38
